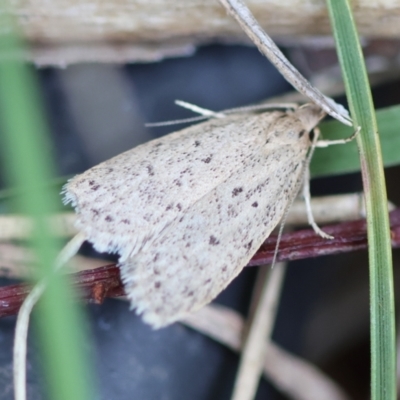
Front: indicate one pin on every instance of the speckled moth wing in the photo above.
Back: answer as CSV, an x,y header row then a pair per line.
x,y
186,212
199,254
125,202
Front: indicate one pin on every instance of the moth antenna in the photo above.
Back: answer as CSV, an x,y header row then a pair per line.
x,y
22,324
206,113
199,110
272,106
282,225
221,114
175,122
283,220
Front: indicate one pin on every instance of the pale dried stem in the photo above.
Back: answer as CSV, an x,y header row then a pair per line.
x,y
22,325
69,31
19,227
258,330
21,338
267,46
291,375
17,262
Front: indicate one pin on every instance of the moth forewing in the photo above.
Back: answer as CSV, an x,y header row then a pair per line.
x,y
124,202
188,211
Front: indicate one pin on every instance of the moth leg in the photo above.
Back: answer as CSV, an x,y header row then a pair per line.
x,y
306,187
326,143
306,182
307,199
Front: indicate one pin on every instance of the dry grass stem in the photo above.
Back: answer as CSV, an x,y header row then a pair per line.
x,y
267,46
19,227
16,262
258,329
22,325
291,375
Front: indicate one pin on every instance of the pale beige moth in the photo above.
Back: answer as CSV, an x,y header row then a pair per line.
x,y
186,212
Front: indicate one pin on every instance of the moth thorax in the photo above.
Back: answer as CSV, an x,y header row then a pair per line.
x,y
309,115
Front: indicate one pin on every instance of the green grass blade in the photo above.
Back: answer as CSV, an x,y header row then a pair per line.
x,y
383,346
26,158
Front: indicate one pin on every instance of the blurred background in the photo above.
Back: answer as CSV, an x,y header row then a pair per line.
x,y
96,111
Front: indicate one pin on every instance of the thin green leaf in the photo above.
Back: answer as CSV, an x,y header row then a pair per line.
x,y
26,156
383,345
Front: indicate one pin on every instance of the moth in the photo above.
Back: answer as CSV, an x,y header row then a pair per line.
x,y
186,212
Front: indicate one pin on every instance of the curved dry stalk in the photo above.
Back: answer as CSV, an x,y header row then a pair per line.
x,y
266,45
21,338
22,325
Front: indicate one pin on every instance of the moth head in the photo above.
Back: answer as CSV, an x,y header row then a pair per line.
x,y
310,115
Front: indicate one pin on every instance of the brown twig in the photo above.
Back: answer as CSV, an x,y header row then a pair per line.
x,y
97,284
93,286
348,236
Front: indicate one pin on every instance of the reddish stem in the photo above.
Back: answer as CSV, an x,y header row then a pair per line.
x,y
97,284
93,286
